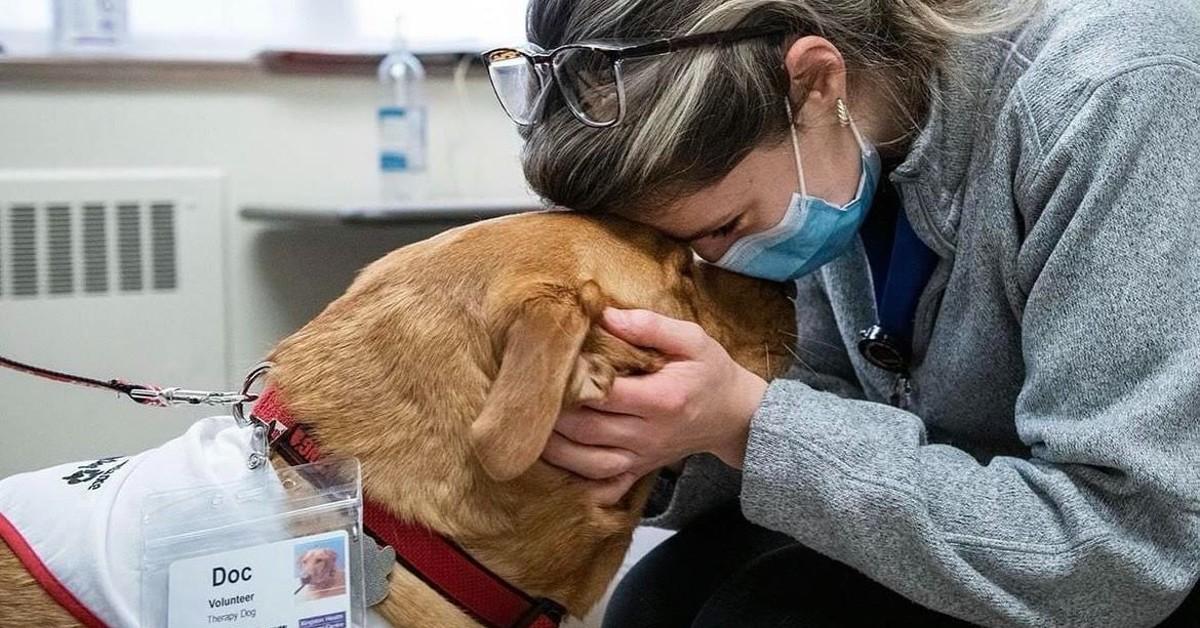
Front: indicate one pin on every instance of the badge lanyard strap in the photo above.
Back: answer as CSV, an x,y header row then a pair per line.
x,y
911,265
888,344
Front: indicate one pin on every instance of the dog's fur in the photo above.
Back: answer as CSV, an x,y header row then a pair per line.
x,y
444,366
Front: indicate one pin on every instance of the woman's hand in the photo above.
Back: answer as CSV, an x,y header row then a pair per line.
x,y
701,401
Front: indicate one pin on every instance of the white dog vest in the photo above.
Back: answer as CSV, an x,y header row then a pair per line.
x,y
76,527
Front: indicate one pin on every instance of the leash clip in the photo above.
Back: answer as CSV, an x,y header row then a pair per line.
x,y
239,406
259,440
183,397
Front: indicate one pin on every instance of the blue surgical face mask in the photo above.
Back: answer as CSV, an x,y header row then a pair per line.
x,y
813,231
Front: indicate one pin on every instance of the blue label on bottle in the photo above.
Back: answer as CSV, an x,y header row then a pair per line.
x,y
390,161
392,112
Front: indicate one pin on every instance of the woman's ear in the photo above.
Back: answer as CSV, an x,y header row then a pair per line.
x,y
816,78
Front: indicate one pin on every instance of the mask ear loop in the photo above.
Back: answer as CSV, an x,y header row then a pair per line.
x,y
796,147
843,114
848,120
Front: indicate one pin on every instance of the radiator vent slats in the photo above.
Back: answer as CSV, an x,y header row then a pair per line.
x,y
60,265
56,249
129,246
22,225
162,245
95,248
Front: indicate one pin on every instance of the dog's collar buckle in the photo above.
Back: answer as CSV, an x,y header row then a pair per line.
x,y
544,613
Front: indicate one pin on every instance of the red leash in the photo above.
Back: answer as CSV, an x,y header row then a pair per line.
x,y
115,385
139,393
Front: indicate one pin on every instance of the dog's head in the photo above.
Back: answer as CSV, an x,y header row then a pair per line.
x,y
318,567
486,332
553,352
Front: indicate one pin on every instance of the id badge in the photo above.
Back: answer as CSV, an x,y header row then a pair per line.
x,y
281,549
299,582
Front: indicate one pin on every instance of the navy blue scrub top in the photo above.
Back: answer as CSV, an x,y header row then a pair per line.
x,y
901,264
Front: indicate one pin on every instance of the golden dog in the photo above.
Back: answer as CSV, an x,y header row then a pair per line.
x,y
443,368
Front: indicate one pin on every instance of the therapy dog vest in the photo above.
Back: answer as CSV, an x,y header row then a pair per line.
x,y
77,527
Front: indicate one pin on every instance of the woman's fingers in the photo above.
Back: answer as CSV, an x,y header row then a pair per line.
x,y
643,328
573,446
589,427
640,396
594,463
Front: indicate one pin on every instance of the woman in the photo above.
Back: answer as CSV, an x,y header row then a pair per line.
x,y
992,416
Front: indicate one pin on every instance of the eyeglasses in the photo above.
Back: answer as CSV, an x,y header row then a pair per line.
x,y
588,74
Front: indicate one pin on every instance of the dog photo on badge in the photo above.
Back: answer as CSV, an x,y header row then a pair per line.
x,y
320,570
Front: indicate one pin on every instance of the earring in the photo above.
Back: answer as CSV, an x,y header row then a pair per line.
x,y
843,113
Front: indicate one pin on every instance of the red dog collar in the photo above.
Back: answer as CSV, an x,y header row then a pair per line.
x,y
438,561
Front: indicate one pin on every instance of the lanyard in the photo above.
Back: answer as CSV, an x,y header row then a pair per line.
x,y
888,343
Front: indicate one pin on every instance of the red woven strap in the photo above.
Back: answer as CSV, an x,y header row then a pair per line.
x,y
452,572
438,561
269,407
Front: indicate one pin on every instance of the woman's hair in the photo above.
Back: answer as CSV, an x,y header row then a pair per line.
x,y
692,115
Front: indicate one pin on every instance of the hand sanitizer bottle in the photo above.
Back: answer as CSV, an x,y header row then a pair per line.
x,y
402,124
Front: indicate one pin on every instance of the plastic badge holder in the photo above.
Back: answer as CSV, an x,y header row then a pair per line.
x,y
281,549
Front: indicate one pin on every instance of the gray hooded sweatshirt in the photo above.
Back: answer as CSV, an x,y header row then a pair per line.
x,y
1047,470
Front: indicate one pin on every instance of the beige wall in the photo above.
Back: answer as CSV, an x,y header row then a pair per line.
x,y
281,140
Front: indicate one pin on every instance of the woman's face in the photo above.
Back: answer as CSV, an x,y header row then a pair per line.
x,y
758,191
755,195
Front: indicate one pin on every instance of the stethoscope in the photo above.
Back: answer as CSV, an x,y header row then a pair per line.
x,y
883,350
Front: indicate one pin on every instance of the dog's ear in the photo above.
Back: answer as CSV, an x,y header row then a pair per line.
x,y
541,345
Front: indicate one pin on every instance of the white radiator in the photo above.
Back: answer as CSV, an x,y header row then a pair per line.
x,y
108,274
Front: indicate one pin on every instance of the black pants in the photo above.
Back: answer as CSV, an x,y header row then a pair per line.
x,y
723,571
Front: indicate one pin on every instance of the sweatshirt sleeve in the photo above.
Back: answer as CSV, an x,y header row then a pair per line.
x,y
820,361
1100,525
